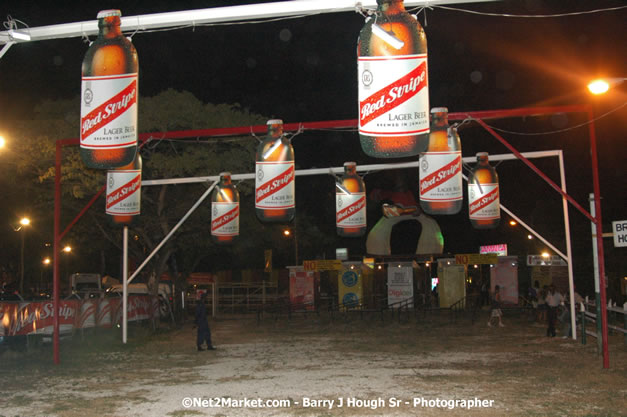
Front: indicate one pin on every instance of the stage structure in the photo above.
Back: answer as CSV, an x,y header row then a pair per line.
x,y
299,8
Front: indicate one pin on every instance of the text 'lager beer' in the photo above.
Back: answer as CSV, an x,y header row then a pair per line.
x,y
124,192
483,194
109,95
350,203
441,188
274,179
393,83
225,210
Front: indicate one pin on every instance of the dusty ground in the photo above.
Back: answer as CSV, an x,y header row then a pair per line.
x,y
517,368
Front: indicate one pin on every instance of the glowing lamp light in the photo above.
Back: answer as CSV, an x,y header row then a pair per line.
x,y
529,237
512,223
2,142
46,261
286,232
598,87
602,86
545,255
67,249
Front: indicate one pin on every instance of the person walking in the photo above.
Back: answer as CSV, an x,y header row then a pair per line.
x,y
553,301
203,331
495,310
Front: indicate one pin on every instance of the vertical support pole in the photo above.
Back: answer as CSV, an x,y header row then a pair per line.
x,y
625,321
56,247
599,237
597,290
569,254
214,299
125,284
583,324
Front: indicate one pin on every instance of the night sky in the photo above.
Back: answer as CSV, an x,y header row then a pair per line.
x,y
305,70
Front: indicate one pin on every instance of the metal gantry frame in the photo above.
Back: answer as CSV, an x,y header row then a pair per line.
x,y
343,124
299,8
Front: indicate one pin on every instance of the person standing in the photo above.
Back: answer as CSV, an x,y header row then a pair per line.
x,y
553,300
495,310
203,331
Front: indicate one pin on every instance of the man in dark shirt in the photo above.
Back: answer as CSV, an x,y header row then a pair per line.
x,y
204,333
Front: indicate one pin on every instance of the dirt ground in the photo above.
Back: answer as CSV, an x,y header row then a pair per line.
x,y
421,367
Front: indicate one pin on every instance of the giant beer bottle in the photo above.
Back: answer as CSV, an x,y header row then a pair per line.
x,y
441,167
109,97
393,88
350,203
225,210
483,194
124,193
274,180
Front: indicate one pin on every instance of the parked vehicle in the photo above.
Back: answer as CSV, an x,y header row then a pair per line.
x,y
139,288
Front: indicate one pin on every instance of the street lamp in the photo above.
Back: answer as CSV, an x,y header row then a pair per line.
x,y
601,86
288,233
24,221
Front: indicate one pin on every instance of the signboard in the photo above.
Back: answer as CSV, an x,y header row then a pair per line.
x,y
302,289
475,259
323,265
620,233
350,288
341,254
500,249
267,254
505,275
401,285
539,260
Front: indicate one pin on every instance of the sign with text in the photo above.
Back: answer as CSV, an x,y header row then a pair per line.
x,y
476,259
539,260
620,233
323,265
500,249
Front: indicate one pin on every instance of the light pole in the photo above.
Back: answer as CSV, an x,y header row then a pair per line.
x,y
24,221
288,233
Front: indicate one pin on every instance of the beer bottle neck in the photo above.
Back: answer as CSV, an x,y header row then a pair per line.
x,y
391,6
440,119
109,27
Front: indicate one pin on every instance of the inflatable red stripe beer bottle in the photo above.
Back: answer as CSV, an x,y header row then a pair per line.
x,y
350,203
123,199
441,188
108,136
393,83
483,194
274,180
225,211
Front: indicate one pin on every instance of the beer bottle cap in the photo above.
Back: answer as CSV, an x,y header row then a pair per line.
x,y
439,110
275,122
348,164
110,12
482,154
225,174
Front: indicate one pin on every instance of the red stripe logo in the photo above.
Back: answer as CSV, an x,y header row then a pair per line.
x,y
351,210
484,201
440,176
275,185
109,110
393,95
124,191
225,219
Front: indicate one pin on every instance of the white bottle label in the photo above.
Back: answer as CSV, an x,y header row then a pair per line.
x,y
393,95
109,111
274,185
441,176
224,219
483,202
123,192
350,210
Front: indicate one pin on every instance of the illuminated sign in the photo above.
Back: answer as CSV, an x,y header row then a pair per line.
x,y
500,249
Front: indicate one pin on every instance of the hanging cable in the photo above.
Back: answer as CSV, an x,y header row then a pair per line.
x,y
531,16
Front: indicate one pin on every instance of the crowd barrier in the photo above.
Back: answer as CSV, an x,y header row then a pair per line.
x,y
37,317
